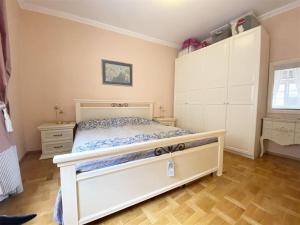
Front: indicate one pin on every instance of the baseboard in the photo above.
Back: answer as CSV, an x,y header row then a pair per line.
x,y
283,155
239,153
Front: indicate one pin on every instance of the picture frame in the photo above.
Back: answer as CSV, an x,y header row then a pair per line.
x,y
116,73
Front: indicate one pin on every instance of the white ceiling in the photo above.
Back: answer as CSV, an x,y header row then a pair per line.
x,y
170,21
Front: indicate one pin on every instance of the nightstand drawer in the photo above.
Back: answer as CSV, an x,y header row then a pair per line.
x,y
284,127
55,135
268,124
283,137
57,147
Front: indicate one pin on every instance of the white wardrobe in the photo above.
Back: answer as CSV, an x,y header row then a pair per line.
x,y
224,86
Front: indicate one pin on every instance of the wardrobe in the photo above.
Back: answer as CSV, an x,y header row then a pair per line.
x,y
224,86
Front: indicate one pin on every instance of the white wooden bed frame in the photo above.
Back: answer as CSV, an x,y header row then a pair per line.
x,y
91,195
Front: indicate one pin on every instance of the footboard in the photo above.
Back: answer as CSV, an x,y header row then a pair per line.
x,y
91,195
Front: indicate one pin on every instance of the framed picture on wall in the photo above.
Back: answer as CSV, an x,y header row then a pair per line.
x,y
116,73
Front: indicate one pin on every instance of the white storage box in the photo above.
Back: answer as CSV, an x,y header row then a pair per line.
x,y
221,33
243,23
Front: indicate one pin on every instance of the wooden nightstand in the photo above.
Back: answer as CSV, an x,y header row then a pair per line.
x,y
56,138
167,121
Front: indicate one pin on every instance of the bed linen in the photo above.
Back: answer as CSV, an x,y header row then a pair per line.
x,y
100,134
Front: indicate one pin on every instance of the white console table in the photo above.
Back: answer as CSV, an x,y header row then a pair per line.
x,y
281,131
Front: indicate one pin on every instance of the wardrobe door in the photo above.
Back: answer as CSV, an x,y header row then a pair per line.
x,y
215,66
196,76
244,58
214,117
189,116
215,71
194,117
182,71
242,90
180,113
239,128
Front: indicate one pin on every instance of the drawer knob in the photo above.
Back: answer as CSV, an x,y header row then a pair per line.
x,y
60,146
57,135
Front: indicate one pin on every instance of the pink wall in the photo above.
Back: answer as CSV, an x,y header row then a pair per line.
x,y
61,61
284,30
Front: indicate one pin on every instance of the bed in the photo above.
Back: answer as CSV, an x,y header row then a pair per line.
x,y
119,151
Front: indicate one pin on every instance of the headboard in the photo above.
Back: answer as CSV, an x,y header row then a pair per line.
x,y
99,109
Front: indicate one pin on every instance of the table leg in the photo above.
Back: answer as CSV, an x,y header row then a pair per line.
x,y
261,146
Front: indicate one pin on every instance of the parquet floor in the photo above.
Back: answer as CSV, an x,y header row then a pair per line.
x,y
261,192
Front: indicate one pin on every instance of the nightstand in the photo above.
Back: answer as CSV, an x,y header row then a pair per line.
x,y
167,121
56,138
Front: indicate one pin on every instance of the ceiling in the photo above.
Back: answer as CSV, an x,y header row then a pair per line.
x,y
168,21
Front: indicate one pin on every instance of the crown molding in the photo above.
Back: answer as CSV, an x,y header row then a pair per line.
x,y
32,7
280,10
35,8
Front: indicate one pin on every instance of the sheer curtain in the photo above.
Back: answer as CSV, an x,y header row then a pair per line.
x,y
10,178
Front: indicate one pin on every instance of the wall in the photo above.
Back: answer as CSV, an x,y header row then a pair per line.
x,y
14,26
61,61
284,30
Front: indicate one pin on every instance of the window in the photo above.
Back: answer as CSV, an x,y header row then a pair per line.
x,y
285,87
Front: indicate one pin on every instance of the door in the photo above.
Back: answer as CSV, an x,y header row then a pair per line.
x,y
215,73
242,92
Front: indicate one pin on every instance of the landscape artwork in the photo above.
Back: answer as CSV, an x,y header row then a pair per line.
x,y
116,73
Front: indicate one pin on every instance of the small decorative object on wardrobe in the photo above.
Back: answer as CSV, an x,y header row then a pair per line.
x,y
243,23
221,33
190,45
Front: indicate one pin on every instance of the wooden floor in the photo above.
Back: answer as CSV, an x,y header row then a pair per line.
x,y
265,191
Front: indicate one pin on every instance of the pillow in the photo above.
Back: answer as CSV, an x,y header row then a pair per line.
x,y
112,122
